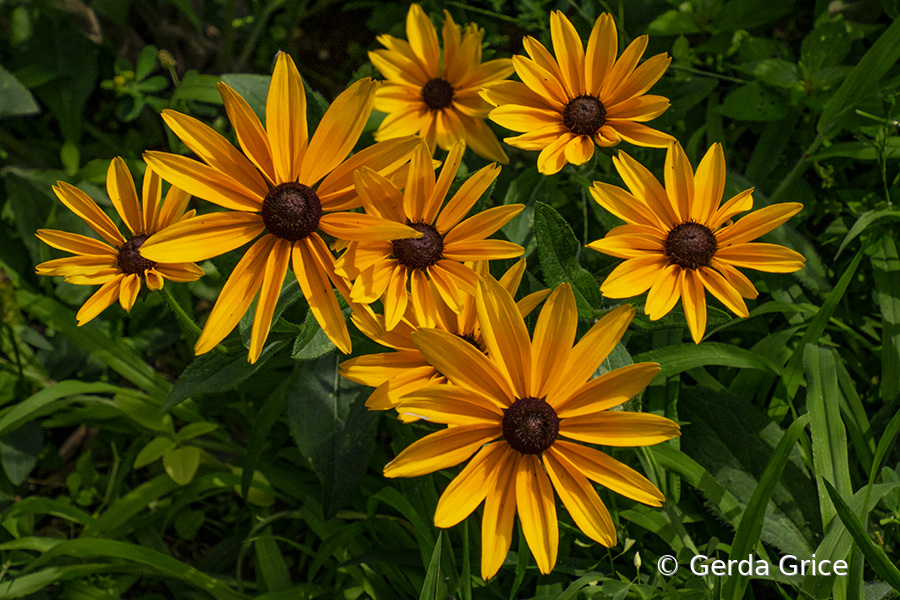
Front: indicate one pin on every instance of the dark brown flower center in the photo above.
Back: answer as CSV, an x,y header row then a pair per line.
x,y
130,260
584,115
291,211
420,253
691,245
437,94
530,425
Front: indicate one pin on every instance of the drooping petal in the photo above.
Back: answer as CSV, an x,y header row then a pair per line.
x,y
469,488
100,300
128,290
580,499
619,428
539,138
664,293
120,186
422,299
537,511
87,210
202,237
693,298
179,272
441,450
286,125
75,243
312,262
719,287
552,158
633,277
482,250
395,297
482,140
609,390
499,514
609,472
372,282
273,278
379,195
579,149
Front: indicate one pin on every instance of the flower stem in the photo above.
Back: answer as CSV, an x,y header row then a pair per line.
x,y
190,329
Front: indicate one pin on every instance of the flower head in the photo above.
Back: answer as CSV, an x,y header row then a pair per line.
x,y
519,409
117,264
405,369
678,241
386,268
433,98
282,191
567,104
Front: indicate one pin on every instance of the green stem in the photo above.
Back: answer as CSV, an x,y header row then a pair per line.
x,y
708,74
190,329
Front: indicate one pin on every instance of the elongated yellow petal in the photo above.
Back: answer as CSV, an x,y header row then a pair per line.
x,y
770,258
709,185
151,195
483,141
537,511
499,514
87,210
623,67
505,335
236,295
128,290
629,245
608,472
364,228
444,180
735,278
482,250
173,208
422,299
719,287
646,188
619,428
569,52
442,450
469,488
250,133
388,394
552,158
100,300
638,109
273,278
639,134
419,187
466,197
553,338
580,499
625,206
609,390
181,272
395,297
75,265
545,60
423,39
642,79
579,150
379,195
203,181
739,203
314,265
540,80
501,93
92,276
202,237
664,293
120,186
679,181
693,298
758,223
75,243
451,405
375,369
602,47
633,277
519,117
286,125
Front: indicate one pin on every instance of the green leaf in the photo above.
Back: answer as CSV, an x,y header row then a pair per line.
x,y
863,222
19,451
558,249
754,102
677,359
153,451
268,415
181,463
312,342
862,81
193,430
748,532
15,99
253,88
433,575
271,563
146,414
43,402
194,86
332,427
146,62
878,560
886,269
124,509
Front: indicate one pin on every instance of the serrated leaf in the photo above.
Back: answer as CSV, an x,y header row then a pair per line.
x,y
181,463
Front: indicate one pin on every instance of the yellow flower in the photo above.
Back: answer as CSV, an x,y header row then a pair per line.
x,y
118,264
512,409
678,240
382,268
405,370
271,190
567,104
437,100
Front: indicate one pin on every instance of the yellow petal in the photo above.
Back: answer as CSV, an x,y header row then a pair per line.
x,y
202,237
553,338
128,290
483,141
76,265
422,299
601,53
423,40
203,181
552,159
482,250
770,258
608,472
642,79
505,335
638,109
180,272
569,52
619,428
379,195
499,514
735,278
679,181
639,134
374,369
395,298
173,207
372,282
539,138
76,243
623,67
664,293
151,195
120,186
469,488
633,277
540,80
273,278
545,60
580,499
537,511
629,245
524,118
88,211
451,405
249,131
501,93
625,206
693,298
419,186
757,223
719,287
709,185
609,390
646,188
388,394
100,300
579,150
236,294
466,197
739,203
314,267
364,228
442,450
286,125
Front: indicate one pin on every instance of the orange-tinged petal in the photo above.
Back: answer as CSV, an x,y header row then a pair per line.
x,y
579,150
419,186
100,300
423,39
679,181
569,52
642,79
236,295
739,203
154,279
645,187
451,405
719,287
608,472
180,272
203,181
76,243
314,265
501,93
664,293
709,185
338,131
466,197
601,53
537,511
273,278
444,180
151,194
540,80
250,133
539,138
629,245
482,140
757,223
625,206
120,186
87,210
524,118
623,67
399,65
462,278
92,276
693,298
469,488
609,390
504,334
770,258
552,159
463,364
372,282
216,151
364,228
128,290
542,57
482,250
553,338
202,237
380,197
639,108
499,514
580,499
422,299
375,369
173,208
639,134
633,277
75,265
388,394
619,428
395,298
286,125
442,450
735,278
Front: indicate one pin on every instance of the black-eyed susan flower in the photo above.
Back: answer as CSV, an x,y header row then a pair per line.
x,y
405,370
519,410
678,240
117,264
387,268
567,104
281,191
437,99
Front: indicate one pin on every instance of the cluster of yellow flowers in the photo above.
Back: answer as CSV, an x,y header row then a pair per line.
x,y
460,353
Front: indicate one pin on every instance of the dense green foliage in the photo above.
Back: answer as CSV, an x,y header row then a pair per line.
x,y
131,468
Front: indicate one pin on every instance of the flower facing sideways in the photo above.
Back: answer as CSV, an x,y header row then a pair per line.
x,y
437,99
519,410
565,105
117,264
678,241
281,192
387,268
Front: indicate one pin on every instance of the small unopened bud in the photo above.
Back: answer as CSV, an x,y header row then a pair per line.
x,y
637,560
166,60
